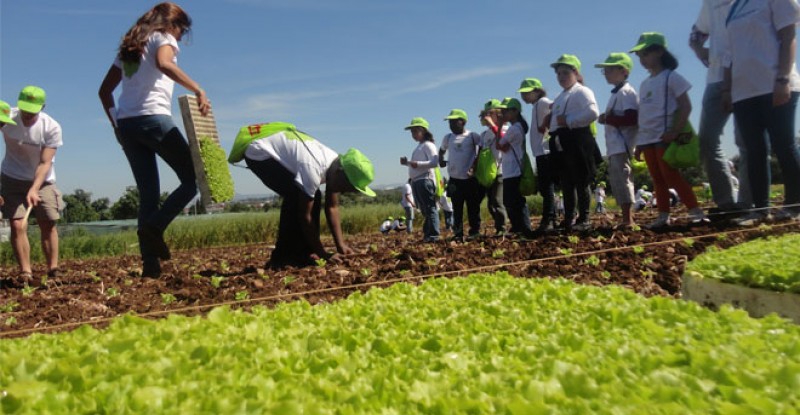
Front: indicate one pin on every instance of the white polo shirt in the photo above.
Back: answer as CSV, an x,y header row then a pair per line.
x,y
621,139
148,91
577,104
754,47
540,110
512,159
652,102
24,146
711,21
308,160
463,149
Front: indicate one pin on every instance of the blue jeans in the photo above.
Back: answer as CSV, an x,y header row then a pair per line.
x,y
757,119
425,196
409,218
712,122
143,138
494,202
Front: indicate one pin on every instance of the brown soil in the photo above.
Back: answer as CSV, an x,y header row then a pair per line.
x,y
96,290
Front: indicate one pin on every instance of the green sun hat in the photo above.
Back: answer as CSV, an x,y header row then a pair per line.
x,y
569,60
648,39
359,170
5,113
457,114
511,103
492,104
418,122
530,84
617,59
31,99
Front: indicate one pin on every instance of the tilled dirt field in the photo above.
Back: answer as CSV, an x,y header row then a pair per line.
x,y
94,291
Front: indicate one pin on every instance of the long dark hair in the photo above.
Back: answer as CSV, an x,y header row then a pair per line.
x,y
520,119
668,60
162,17
429,136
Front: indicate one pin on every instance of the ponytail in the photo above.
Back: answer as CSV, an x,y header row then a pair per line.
x,y
521,120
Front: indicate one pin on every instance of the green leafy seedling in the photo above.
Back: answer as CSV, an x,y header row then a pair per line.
x,y
112,292
647,261
592,260
216,280
688,242
565,251
10,321
289,279
321,262
8,307
498,253
27,290
638,249
242,295
573,239
167,298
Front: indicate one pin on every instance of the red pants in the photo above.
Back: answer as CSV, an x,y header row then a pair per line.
x,y
665,177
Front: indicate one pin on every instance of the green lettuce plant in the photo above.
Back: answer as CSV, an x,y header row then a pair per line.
x,y
218,175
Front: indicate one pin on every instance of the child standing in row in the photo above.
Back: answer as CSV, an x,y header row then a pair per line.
x,y
621,119
462,186
423,179
573,143
663,112
532,92
494,194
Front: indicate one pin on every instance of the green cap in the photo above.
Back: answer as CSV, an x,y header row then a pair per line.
x,y
418,122
31,99
492,104
511,103
617,59
457,114
648,39
359,170
402,218
5,113
569,60
530,84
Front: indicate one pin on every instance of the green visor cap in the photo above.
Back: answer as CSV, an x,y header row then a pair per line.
x,y
359,170
418,122
509,103
617,59
569,60
492,104
5,113
31,99
530,84
648,39
457,114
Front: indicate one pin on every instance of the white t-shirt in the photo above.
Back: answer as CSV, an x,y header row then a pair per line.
x,y
711,21
621,139
463,150
512,159
754,47
427,159
599,195
148,91
308,161
652,101
24,146
540,110
408,196
577,104
488,140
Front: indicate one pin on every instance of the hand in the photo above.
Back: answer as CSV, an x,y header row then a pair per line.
x,y
203,103
413,164
669,137
346,250
403,161
561,120
781,94
602,118
637,154
727,102
2,201
442,163
33,198
470,172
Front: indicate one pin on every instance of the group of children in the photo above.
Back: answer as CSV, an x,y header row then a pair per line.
x,y
563,141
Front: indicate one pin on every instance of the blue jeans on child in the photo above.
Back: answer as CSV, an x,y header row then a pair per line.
x,y
425,196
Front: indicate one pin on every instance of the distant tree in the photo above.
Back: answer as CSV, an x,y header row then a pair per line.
x,y
235,207
127,207
79,207
102,207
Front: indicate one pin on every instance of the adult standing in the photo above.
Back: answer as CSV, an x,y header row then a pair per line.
x,y
147,67
710,26
764,87
28,179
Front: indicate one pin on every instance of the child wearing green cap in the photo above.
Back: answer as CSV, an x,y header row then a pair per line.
x,y
28,178
621,119
494,194
532,92
462,186
424,159
663,112
295,166
573,145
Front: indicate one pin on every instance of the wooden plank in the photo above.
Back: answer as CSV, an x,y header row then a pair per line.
x,y
198,126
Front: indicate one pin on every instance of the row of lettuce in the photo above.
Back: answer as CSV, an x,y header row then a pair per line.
x,y
487,343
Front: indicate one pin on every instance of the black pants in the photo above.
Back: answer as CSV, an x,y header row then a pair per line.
x,y
291,246
465,191
577,165
516,205
546,177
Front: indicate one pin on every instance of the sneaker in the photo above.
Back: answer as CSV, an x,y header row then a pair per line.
x,y
663,221
697,216
545,226
582,226
151,268
753,218
785,214
500,233
152,237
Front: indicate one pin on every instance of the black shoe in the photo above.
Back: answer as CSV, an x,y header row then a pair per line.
x,y
153,238
151,268
545,226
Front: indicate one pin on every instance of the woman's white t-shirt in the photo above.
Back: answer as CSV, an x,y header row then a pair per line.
x,y
652,102
148,91
512,159
427,159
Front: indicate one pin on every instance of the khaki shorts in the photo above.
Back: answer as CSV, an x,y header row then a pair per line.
x,y
620,175
14,192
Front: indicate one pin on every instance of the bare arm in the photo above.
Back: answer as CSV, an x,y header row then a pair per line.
x,y
106,93
334,222
166,64
681,118
787,37
310,232
45,162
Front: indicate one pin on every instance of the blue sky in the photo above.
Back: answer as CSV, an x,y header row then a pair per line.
x,y
352,73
